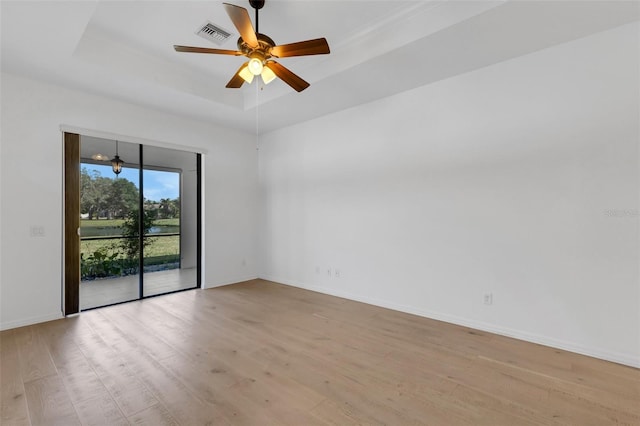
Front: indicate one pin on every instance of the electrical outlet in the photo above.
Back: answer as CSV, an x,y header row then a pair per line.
x,y
336,273
329,272
36,231
488,299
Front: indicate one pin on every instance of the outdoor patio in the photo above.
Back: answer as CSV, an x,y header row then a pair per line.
x,y
107,291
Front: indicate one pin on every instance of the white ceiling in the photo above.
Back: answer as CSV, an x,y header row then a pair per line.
x,y
124,49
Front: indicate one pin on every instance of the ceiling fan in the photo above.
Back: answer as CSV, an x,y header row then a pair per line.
x,y
261,49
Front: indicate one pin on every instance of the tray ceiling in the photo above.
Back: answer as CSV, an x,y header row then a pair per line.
x,y
124,49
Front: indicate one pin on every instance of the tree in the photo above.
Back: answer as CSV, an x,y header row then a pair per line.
x,y
93,192
131,232
86,193
174,207
164,211
122,198
165,208
104,196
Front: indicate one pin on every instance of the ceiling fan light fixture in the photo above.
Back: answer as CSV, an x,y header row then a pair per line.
x,y
259,49
246,74
255,66
267,75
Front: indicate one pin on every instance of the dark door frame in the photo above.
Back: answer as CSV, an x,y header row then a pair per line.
x,y
71,279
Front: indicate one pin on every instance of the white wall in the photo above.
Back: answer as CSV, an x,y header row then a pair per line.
x,y
519,179
31,191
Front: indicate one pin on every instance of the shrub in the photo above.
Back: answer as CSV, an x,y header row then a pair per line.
x,y
99,264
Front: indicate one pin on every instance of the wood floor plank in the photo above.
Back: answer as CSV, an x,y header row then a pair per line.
x,y
49,402
260,352
483,408
209,378
345,385
14,403
156,415
191,411
548,394
83,382
145,341
125,388
35,360
337,413
187,408
278,405
100,410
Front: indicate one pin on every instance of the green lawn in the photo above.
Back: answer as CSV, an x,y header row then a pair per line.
x,y
115,223
161,246
101,223
114,227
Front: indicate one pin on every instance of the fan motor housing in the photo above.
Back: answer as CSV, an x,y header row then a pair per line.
x,y
265,44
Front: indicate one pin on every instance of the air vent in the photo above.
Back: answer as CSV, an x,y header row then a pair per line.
x,y
213,33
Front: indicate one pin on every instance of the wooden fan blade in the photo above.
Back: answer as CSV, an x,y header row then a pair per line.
x,y
240,18
318,46
287,76
236,81
191,49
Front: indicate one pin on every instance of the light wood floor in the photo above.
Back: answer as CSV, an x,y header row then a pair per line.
x,y
260,353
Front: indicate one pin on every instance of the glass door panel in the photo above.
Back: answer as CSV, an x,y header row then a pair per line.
x,y
109,212
170,254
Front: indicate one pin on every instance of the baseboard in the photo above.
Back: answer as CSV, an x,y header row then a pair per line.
x,y
619,358
30,321
229,282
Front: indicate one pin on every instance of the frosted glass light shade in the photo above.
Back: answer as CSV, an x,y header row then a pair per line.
x,y
267,75
246,74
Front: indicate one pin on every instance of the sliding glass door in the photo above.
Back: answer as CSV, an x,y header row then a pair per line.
x,y
139,228
109,211
170,208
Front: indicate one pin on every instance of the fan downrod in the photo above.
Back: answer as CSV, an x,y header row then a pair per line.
x,y
257,5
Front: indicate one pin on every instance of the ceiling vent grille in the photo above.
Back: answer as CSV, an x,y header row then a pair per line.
x,y
213,33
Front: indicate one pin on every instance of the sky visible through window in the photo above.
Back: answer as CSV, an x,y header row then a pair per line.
x,y
157,184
